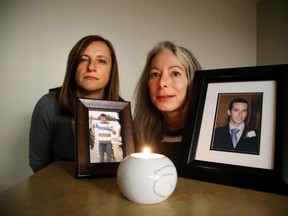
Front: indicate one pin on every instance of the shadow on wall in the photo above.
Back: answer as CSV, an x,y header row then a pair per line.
x,y
17,165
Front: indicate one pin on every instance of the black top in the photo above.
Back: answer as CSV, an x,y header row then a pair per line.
x,y
171,146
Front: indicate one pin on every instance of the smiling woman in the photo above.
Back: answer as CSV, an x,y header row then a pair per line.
x,y
92,72
161,99
167,86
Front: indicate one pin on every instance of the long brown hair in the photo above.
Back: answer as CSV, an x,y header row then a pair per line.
x,y
68,90
148,122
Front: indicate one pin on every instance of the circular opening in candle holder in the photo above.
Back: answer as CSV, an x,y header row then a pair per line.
x,y
147,155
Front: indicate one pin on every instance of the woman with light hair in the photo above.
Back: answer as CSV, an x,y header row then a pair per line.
x,y
161,99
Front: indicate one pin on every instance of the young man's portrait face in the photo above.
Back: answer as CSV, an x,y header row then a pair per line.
x,y
238,113
103,119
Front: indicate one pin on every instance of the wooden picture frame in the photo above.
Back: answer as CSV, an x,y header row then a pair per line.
x,y
266,170
101,146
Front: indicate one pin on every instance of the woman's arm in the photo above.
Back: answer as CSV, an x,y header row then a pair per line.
x,y
41,135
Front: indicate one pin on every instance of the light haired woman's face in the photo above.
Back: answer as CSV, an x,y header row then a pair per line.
x,y
167,82
93,72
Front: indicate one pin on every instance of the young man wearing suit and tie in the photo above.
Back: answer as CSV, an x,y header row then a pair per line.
x,y
236,135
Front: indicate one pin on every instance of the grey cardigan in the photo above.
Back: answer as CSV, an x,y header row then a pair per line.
x,y
51,134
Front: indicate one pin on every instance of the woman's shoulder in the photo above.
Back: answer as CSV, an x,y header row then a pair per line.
x,y
48,102
50,97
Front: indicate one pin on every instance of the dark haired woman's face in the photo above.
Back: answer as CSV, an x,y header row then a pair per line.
x,y
93,72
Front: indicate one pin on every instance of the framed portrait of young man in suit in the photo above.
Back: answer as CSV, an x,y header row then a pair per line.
x,y
237,124
236,130
216,142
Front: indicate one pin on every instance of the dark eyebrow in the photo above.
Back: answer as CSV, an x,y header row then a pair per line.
x,y
101,56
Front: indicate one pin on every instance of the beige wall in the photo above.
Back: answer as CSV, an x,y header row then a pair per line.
x,y
272,32
36,37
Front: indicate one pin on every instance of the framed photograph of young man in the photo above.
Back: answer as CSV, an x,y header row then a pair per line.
x,y
235,132
104,136
237,124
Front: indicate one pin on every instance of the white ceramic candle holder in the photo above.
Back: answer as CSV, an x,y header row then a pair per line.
x,y
146,178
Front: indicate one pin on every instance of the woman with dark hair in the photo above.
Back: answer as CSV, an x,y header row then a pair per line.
x,y
92,72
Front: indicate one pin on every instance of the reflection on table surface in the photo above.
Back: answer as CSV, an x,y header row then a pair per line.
x,y
55,191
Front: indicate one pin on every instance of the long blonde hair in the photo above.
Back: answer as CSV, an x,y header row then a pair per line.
x,y
68,90
148,122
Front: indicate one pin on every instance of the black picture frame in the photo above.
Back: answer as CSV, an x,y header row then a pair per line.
x,y
83,107
274,179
